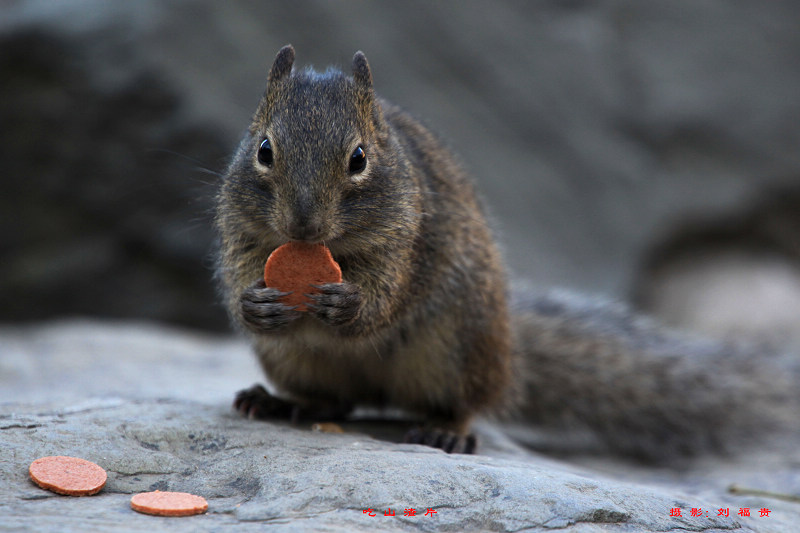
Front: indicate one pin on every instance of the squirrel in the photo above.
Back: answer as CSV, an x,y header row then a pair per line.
x,y
424,319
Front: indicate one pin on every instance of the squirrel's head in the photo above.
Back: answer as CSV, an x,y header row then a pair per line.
x,y
318,163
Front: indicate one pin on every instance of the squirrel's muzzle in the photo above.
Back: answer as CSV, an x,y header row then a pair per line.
x,y
304,223
304,230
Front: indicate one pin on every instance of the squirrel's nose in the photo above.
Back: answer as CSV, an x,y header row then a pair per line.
x,y
304,230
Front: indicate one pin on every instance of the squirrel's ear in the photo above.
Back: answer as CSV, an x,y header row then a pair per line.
x,y
283,64
361,73
362,78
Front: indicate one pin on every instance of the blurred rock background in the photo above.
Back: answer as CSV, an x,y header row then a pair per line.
x,y
648,151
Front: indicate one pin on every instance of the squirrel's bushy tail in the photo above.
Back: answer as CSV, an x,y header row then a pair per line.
x,y
641,390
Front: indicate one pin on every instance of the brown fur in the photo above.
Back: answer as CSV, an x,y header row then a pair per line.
x,y
643,391
421,321
429,333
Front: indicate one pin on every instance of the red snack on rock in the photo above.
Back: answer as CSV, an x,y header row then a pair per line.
x,y
169,503
70,476
296,266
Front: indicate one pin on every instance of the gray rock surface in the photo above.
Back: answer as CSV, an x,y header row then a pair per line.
x,y
151,405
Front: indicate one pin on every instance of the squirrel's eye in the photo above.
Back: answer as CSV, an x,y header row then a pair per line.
x,y
265,153
358,160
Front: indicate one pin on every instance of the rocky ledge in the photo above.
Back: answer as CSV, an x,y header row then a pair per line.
x,y
151,406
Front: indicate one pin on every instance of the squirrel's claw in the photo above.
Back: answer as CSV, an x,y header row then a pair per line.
x,y
447,441
337,304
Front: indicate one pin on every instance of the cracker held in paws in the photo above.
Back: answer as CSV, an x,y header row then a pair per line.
x,y
296,267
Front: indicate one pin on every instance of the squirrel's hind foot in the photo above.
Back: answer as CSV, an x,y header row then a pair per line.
x,y
257,403
443,439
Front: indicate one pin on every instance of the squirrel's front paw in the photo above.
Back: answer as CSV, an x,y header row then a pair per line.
x,y
262,310
337,304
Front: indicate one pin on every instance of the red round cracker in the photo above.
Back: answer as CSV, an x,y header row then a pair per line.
x,y
70,476
296,266
169,503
